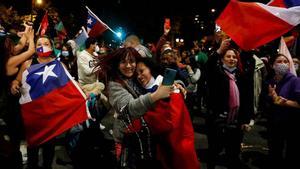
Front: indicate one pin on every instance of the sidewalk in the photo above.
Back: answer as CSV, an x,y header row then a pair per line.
x,y
254,147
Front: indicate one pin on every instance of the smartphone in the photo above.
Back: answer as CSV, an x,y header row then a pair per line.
x,y
167,24
169,76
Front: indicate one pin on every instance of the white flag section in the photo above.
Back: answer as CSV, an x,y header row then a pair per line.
x,y
81,38
283,49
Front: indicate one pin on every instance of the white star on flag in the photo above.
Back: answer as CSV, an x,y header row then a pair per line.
x,y
89,21
47,72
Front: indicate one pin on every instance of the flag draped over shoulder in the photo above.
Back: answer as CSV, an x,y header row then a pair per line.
x,y
44,24
95,26
252,24
51,102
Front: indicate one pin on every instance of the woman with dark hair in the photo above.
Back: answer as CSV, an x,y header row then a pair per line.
x,y
11,58
125,95
67,57
227,101
283,112
44,51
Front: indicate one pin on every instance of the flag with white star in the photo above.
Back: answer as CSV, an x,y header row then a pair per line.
x,y
95,26
51,102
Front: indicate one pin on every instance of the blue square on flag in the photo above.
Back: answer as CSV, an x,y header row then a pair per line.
x,y
90,21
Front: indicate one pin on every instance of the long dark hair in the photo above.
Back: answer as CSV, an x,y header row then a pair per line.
x,y
272,60
107,67
6,49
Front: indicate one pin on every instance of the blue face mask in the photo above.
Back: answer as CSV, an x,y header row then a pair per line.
x,y
65,53
231,70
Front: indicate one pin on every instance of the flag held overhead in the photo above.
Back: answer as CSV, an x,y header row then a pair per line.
x,y
252,24
95,26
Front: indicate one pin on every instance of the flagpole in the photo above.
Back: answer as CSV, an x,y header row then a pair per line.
x,y
37,32
101,21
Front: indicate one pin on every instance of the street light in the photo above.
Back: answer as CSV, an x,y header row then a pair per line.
x,y
39,2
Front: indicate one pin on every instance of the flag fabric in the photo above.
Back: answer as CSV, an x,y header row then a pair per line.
x,y
51,102
251,24
44,24
284,3
81,38
171,121
283,49
61,31
95,26
44,51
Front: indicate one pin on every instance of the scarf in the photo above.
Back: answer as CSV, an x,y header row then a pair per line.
x,y
234,98
151,86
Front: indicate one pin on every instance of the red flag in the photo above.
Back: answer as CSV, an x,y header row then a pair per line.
x,y
44,24
180,152
51,102
251,24
95,26
172,122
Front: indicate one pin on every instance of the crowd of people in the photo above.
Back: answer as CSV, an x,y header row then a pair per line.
x,y
136,121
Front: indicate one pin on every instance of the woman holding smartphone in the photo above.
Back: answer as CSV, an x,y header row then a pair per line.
x,y
127,99
170,120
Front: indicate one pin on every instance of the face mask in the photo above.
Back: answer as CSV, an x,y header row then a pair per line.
x,y
281,69
296,65
44,51
231,70
97,49
65,53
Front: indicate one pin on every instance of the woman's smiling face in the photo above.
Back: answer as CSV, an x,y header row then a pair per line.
x,y
127,67
143,74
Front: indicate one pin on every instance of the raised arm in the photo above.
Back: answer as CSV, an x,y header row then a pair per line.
x,y
15,61
22,42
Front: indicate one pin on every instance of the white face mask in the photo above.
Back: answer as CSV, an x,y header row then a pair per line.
x,y
281,69
97,49
65,53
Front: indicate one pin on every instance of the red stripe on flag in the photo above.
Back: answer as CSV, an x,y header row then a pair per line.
x,y
278,3
249,25
97,29
53,114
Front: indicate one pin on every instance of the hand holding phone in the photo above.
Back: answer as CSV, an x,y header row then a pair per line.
x,y
169,77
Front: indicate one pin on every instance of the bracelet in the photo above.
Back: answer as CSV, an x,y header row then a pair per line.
x,y
277,100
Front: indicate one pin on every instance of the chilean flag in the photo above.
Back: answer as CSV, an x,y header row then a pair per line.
x,y
44,51
95,26
51,102
251,24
